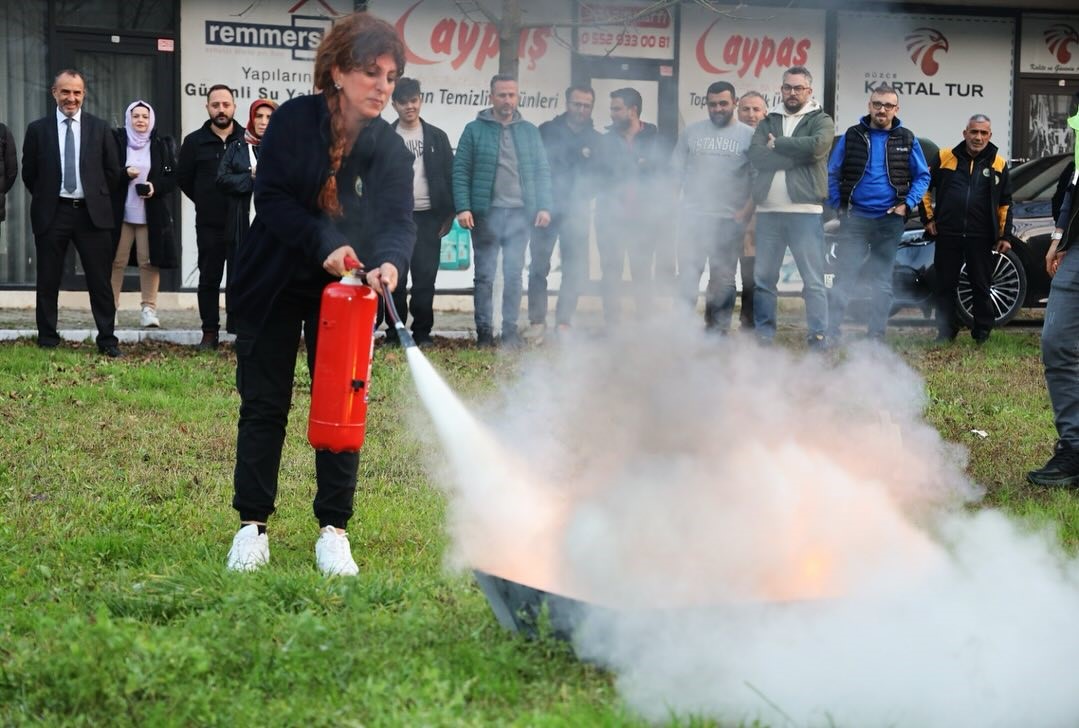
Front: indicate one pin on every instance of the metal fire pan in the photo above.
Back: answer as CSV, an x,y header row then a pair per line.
x,y
519,607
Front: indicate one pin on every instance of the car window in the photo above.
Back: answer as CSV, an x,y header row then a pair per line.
x,y
1037,179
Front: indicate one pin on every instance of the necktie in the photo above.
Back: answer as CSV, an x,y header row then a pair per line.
x,y
69,158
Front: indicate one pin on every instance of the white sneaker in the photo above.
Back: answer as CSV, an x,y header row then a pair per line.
x,y
149,319
250,549
333,554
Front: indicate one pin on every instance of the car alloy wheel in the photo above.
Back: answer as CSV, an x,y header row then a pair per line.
x,y
1007,289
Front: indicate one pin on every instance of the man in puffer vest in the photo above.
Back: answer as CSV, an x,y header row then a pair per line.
x,y
970,217
877,174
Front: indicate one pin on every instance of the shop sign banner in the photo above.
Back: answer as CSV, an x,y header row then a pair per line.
x,y
750,52
606,30
944,69
454,55
1050,44
267,49
260,50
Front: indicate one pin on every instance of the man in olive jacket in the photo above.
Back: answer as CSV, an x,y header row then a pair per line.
x,y
790,153
501,188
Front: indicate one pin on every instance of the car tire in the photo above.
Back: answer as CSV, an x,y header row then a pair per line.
x,y
1008,289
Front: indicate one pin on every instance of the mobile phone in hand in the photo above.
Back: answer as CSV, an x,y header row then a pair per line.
x,y
142,189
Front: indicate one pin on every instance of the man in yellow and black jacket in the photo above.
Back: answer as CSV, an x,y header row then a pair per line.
x,y
968,210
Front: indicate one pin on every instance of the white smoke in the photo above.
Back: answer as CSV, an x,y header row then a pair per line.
x,y
780,537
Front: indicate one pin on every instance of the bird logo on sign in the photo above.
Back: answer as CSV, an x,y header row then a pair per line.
x,y
923,43
1058,37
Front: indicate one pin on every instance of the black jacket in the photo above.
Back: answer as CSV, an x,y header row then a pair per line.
x,y
1065,188
572,158
971,196
438,167
633,178
9,167
235,182
200,155
291,236
164,251
99,168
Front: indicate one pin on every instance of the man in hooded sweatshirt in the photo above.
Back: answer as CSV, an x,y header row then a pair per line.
x,y
501,189
790,153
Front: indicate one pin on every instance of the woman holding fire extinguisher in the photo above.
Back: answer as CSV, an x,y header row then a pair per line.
x,y
334,182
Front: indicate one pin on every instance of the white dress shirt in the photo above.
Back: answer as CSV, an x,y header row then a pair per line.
x,y
76,129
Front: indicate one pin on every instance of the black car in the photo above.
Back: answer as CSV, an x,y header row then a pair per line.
x,y
1019,277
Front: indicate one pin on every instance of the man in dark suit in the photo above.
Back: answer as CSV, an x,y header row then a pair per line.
x,y
70,166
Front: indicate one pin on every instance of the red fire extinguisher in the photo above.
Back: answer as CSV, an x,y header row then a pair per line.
x,y
342,376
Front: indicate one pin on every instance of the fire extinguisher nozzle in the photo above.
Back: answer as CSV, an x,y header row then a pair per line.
x,y
404,336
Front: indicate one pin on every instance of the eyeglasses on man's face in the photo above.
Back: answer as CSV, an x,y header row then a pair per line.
x,y
887,106
787,88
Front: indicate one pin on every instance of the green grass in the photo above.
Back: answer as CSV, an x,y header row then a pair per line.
x,y
115,608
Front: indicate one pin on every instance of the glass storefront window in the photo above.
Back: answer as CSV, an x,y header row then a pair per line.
x,y
24,85
157,15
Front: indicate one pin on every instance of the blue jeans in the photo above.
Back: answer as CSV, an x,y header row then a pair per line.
x,y
872,241
570,229
1060,349
803,233
717,241
506,229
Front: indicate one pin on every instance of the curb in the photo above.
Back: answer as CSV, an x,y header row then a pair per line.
x,y
174,336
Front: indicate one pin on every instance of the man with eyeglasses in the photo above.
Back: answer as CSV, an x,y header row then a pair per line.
x,y
790,153
712,172
970,215
570,141
876,176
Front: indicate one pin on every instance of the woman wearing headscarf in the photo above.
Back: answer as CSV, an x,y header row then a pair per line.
x,y
236,179
236,173
334,181
142,205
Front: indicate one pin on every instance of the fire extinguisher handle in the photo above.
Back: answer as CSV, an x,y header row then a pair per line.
x,y
352,264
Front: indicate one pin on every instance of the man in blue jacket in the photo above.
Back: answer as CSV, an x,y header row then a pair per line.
x,y
876,176
502,189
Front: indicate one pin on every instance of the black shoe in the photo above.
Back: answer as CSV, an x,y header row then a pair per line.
x,y
1061,470
512,341
980,337
485,339
111,350
209,341
422,339
392,339
47,344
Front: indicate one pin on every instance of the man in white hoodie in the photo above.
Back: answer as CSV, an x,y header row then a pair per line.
x,y
790,153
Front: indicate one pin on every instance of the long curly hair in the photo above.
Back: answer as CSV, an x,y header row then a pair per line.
x,y
354,41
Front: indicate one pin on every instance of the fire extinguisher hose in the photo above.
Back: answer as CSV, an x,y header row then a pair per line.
x,y
403,334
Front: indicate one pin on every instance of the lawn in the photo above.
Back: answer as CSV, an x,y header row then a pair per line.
x,y
115,517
